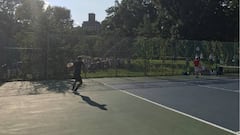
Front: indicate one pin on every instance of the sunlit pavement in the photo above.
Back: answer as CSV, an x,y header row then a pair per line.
x,y
50,108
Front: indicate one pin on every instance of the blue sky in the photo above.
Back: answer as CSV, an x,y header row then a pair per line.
x,y
81,8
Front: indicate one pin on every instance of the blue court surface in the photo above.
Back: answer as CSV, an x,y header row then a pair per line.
x,y
213,100
179,105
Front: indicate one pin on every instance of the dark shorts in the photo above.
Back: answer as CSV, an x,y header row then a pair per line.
x,y
77,77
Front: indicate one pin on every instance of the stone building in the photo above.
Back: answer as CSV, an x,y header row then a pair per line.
x,y
91,25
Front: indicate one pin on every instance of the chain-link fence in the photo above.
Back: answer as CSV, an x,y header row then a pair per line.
x,y
145,57
161,58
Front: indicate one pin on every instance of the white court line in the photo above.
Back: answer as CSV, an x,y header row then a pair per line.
x,y
222,89
176,111
182,113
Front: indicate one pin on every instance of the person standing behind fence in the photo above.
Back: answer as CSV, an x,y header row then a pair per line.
x,y
197,66
78,64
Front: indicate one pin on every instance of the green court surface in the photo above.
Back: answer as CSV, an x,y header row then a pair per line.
x,y
96,110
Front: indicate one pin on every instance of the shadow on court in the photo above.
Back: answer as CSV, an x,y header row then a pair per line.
x,y
1,83
51,86
89,101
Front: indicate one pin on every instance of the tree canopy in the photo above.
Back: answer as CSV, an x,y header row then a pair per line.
x,y
46,38
189,20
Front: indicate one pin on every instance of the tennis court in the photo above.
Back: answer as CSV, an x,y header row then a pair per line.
x,y
181,105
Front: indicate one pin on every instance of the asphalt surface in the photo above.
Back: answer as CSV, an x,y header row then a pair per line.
x,y
101,107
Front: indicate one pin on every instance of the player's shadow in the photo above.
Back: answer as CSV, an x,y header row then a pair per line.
x,y
91,102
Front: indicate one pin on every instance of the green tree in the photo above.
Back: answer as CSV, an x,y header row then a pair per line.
x,y
205,20
127,16
60,27
29,15
8,27
48,31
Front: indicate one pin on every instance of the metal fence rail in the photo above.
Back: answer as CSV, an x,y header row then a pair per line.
x,y
148,58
